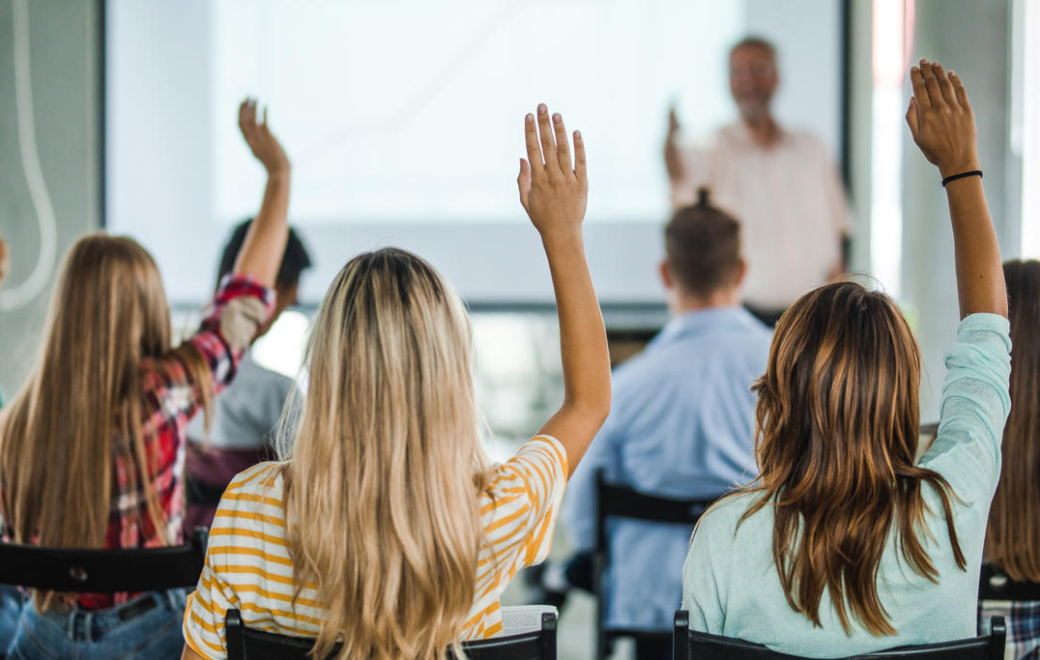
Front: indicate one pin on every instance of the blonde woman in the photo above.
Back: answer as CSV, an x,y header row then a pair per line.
x,y
91,448
387,529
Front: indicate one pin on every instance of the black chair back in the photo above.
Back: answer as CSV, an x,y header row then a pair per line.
x,y
702,646
103,571
249,644
614,501
994,584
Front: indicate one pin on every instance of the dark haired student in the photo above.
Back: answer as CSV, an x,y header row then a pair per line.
x,y
680,422
247,412
848,543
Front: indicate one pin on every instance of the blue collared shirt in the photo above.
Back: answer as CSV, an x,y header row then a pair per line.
x,y
680,426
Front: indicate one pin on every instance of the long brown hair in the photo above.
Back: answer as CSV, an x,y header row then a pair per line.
x,y
82,402
1013,535
836,437
383,482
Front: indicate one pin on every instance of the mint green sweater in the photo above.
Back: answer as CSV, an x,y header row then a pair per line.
x,y
730,583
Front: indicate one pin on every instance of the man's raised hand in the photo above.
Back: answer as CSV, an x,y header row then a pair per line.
x,y
552,191
261,141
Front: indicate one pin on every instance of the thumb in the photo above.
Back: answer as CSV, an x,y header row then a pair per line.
x,y
523,181
912,118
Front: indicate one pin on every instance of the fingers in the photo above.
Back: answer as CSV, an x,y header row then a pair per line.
x,y
563,149
931,83
523,181
945,86
534,152
959,91
579,158
552,163
920,93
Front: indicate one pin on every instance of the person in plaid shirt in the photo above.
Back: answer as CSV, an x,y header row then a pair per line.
x,y
92,447
1014,521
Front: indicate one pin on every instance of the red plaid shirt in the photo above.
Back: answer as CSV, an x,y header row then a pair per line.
x,y
169,400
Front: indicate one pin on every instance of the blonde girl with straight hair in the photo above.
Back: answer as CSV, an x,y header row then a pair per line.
x,y
847,544
91,447
386,532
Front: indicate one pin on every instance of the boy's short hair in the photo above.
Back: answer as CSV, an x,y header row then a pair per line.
x,y
703,246
294,261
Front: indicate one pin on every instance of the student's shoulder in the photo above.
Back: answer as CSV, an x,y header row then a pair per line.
x,y
261,480
723,519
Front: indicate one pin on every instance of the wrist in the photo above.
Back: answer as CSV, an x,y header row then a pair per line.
x,y
958,167
562,237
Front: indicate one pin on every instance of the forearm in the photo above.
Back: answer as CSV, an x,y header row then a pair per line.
x,y
583,340
980,275
583,343
264,245
673,160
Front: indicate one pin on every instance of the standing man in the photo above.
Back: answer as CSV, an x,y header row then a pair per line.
x,y
781,183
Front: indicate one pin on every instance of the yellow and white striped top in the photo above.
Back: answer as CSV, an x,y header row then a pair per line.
x,y
248,565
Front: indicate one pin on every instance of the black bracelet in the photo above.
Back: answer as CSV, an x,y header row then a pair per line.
x,y
954,177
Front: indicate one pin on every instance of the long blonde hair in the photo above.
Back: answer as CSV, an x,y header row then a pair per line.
x,y
383,483
1013,534
836,439
82,403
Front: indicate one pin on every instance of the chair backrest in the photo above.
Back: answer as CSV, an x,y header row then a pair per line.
x,y
613,501
103,571
690,644
249,644
994,584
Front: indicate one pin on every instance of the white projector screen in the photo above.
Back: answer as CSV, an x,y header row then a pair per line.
x,y
403,119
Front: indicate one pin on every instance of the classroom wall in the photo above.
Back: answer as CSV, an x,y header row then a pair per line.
x,y
64,41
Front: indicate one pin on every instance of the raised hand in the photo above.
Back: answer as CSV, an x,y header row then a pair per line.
x,y
553,193
672,157
941,119
261,141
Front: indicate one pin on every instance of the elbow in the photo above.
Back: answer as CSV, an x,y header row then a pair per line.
x,y
593,405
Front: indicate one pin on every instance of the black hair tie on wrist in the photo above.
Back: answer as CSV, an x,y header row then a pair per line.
x,y
954,177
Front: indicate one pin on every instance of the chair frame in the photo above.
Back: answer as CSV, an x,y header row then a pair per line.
x,y
495,648
994,584
684,638
103,571
615,501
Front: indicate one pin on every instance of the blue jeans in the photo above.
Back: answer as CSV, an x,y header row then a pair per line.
x,y
11,600
149,626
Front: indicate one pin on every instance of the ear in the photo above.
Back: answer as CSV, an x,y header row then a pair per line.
x,y
741,274
665,271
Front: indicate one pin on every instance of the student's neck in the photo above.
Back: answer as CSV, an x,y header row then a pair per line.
x,y
764,130
684,303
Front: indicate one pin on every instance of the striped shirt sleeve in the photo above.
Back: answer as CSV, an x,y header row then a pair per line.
x,y
520,507
204,615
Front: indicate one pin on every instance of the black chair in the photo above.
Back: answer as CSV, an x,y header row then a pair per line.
x,y
702,646
613,501
250,644
994,584
103,571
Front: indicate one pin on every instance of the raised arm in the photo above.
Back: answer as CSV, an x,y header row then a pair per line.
x,y
554,194
265,241
943,126
672,157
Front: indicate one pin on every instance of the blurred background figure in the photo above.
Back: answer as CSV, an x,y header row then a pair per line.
x,y
246,413
679,427
781,182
